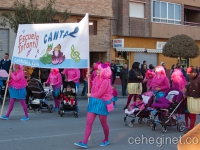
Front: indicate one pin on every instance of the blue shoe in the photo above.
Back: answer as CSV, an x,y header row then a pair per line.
x,y
56,109
4,117
104,143
81,144
115,106
24,119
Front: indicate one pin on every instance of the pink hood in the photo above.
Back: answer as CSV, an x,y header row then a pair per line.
x,y
55,78
17,79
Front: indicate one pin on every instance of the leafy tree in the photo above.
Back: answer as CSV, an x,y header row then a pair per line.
x,y
181,46
29,13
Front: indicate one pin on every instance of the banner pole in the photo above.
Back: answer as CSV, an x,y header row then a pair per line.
x,y
6,90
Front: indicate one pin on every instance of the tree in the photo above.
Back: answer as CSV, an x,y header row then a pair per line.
x,y
181,46
29,13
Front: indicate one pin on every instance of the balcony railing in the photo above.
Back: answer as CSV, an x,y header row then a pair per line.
x,y
191,23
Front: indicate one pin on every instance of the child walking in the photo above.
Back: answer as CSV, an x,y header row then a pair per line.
x,y
115,95
17,90
55,79
137,105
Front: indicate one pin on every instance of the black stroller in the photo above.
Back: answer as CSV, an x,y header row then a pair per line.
x,y
38,99
66,105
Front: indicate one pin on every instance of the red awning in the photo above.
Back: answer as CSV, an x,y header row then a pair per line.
x,y
192,8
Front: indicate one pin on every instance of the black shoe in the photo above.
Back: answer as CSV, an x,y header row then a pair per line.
x,y
125,107
125,95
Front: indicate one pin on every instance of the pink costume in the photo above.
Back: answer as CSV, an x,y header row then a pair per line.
x,y
149,77
55,79
115,93
137,105
161,82
178,80
72,74
101,93
17,89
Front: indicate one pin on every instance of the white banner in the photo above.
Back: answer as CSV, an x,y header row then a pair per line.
x,y
55,45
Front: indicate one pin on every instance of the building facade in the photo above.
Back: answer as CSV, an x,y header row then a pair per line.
x,y
99,24
141,28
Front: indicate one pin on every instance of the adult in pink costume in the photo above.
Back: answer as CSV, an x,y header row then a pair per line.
x,y
55,79
148,78
72,75
17,90
160,82
178,80
101,95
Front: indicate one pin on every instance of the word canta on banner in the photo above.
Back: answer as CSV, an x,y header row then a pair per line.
x,y
28,41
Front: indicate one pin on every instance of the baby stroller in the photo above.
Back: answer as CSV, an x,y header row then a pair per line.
x,y
148,99
38,100
169,116
66,105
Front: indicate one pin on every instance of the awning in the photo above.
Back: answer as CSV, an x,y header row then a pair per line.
x,y
192,7
154,51
122,49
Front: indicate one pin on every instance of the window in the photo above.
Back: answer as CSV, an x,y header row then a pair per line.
x,y
136,10
92,27
166,12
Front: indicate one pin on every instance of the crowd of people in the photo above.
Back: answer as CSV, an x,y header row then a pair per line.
x,y
103,91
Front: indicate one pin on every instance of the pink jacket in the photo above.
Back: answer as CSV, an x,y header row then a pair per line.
x,y
101,88
115,93
161,82
17,80
55,79
140,104
72,74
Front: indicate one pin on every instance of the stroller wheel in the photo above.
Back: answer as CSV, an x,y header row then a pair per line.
x,y
75,114
149,122
181,126
38,111
153,127
125,121
130,125
164,129
141,120
50,108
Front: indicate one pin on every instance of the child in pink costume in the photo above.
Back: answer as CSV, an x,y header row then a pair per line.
x,y
115,95
72,75
55,79
17,90
101,94
137,105
94,73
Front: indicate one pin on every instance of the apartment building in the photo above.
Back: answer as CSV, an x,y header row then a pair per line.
x,y
100,12
140,29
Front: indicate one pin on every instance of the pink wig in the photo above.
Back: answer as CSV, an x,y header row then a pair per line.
x,y
107,63
149,72
96,65
55,70
178,78
160,71
105,71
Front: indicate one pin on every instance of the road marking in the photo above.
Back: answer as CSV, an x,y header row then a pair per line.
x,y
59,135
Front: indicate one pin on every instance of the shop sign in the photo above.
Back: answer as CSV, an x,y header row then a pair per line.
x,y
117,43
160,45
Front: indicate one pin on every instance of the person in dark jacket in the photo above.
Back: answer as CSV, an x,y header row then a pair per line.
x,y
5,63
124,79
143,72
114,71
44,73
135,76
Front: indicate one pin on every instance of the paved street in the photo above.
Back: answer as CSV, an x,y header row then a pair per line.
x,y
48,131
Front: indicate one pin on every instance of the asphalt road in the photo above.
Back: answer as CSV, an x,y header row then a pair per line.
x,y
49,131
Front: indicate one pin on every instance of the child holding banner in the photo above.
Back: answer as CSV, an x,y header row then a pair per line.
x,y
17,90
101,95
55,79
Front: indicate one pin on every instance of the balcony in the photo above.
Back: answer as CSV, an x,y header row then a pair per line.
x,y
191,15
161,30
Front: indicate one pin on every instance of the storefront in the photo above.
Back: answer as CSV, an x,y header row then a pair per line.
x,y
148,49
